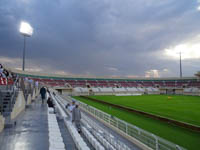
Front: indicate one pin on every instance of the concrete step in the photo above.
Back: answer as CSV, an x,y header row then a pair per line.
x,y
6,114
4,103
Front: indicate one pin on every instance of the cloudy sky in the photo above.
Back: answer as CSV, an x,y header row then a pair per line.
x,y
128,38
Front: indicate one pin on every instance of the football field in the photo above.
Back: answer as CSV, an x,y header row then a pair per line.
x,y
181,108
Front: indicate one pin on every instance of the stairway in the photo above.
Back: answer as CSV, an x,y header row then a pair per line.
x,y
6,104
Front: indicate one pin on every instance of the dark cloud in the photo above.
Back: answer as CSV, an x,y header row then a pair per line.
x,y
112,37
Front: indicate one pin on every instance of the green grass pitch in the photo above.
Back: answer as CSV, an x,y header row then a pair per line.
x,y
181,108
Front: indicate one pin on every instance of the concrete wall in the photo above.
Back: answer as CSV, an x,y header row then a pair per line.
x,y
29,99
19,105
2,120
192,94
37,91
179,91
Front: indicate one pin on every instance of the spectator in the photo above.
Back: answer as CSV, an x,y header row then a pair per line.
x,y
36,84
6,73
1,69
76,118
71,107
50,102
2,73
43,94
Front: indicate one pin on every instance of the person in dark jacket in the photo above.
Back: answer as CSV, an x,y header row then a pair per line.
x,y
50,102
43,94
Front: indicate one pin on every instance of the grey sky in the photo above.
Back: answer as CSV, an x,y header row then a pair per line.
x,y
103,37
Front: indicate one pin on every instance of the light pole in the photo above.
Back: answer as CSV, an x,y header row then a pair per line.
x,y
180,66
26,30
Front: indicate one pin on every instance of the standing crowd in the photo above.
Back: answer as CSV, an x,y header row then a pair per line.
x,y
6,76
5,73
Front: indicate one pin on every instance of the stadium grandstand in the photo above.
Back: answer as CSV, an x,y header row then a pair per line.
x,y
23,116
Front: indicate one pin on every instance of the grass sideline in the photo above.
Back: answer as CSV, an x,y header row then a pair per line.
x,y
172,133
178,107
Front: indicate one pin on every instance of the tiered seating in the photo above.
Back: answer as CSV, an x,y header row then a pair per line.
x,y
148,84
81,83
102,83
195,90
107,139
132,89
81,90
92,139
4,81
106,90
123,83
194,84
155,89
152,90
60,82
187,90
92,83
120,89
112,83
96,90
71,82
55,138
159,83
141,89
181,83
78,140
53,84
149,89
191,90
170,84
80,144
140,83
132,84
84,89
77,89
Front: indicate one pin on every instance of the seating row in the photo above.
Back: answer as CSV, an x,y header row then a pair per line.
x,y
55,137
78,140
92,139
80,144
5,81
106,138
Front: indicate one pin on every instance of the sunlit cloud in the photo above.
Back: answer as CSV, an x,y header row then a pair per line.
x,y
152,73
198,8
189,50
156,73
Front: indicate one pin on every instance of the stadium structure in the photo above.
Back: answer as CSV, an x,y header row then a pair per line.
x,y
22,117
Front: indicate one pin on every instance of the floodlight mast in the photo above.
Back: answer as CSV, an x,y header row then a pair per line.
x,y
23,64
180,66
26,30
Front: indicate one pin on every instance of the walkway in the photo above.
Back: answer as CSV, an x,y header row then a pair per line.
x,y
30,131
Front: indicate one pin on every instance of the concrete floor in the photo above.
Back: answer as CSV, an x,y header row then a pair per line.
x,y
30,131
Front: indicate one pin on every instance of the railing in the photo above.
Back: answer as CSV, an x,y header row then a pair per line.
x,y
141,135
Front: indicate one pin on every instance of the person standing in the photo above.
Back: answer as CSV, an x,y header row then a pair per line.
x,y
71,107
43,94
76,118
